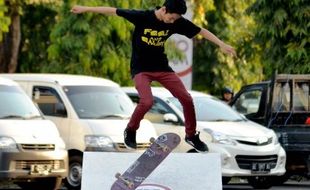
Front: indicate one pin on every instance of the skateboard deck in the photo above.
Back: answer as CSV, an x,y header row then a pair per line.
x,y
147,162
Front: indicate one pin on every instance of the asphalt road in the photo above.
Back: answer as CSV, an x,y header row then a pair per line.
x,y
290,185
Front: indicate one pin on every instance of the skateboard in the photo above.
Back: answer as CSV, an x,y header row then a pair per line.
x,y
147,162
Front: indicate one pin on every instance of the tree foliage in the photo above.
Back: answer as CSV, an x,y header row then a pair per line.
x,y
11,12
274,36
4,20
38,21
93,44
212,69
283,29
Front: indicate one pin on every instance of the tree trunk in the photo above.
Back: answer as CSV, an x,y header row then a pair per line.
x,y
9,48
16,37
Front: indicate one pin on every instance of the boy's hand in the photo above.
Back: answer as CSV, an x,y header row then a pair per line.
x,y
77,9
228,50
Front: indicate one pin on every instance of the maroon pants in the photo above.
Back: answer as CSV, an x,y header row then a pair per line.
x,y
170,81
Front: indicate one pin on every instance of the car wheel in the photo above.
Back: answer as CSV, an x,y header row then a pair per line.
x,y
260,182
74,179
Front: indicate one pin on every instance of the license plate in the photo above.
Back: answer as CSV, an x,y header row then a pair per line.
x,y
41,169
261,168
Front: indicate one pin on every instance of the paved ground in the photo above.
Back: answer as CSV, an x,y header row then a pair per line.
x,y
290,185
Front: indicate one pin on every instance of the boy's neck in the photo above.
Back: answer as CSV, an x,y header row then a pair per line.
x,y
158,14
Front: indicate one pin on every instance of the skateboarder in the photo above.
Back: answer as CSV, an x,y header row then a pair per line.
x,y
149,62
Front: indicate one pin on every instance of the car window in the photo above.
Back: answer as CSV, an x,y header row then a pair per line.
x,y
210,109
99,102
158,108
157,111
281,97
16,104
301,98
248,102
48,101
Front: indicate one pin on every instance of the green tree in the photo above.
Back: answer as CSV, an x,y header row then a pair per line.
x,y
283,32
4,20
93,44
11,39
37,23
212,69
10,45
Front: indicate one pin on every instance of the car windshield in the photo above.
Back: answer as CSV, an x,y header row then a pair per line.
x,y
99,102
14,104
211,109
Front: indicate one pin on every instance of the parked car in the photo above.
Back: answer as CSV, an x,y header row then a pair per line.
x,y
91,114
247,149
32,152
283,105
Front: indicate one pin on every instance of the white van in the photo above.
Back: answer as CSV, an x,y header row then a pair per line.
x,y
32,152
90,113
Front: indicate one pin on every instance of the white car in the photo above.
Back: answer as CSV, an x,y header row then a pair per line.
x,y
90,113
247,149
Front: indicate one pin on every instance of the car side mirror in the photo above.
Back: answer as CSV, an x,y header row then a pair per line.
x,y
170,118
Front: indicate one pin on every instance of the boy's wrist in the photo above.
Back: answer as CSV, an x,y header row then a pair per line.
x,y
221,44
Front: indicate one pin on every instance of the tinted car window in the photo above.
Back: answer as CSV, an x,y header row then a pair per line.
x,y
99,102
49,101
248,102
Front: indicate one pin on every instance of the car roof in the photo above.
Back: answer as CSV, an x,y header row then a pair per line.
x,y
164,93
62,79
7,82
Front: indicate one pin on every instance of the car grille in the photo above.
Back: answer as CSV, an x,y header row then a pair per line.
x,y
246,162
46,147
26,164
140,146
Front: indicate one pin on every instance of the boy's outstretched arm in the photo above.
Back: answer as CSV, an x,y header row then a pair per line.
x,y
211,37
77,9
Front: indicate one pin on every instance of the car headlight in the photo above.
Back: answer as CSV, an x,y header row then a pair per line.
x,y
276,137
7,144
221,138
96,143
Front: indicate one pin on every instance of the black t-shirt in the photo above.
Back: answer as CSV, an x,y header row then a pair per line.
x,y
149,37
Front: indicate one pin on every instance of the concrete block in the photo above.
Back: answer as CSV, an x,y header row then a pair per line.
x,y
179,171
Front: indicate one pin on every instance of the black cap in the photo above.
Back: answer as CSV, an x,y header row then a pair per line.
x,y
227,90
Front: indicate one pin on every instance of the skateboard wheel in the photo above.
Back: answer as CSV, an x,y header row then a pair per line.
x,y
131,185
166,149
117,175
152,139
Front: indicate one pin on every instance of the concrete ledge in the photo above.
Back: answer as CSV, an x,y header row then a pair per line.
x,y
179,171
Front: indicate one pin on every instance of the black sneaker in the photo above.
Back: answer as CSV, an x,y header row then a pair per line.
x,y
197,143
130,139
